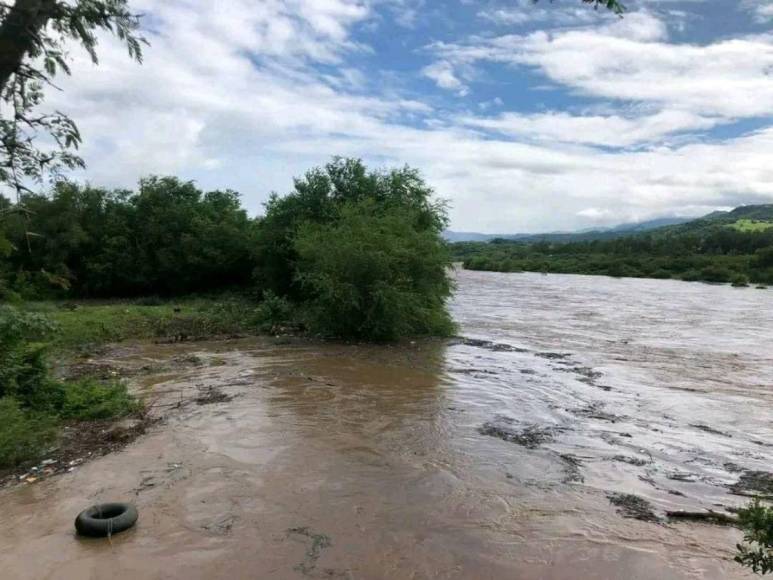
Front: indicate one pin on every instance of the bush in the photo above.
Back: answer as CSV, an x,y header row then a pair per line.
x,y
23,435
273,311
23,370
31,401
757,550
740,281
374,275
89,399
715,273
764,257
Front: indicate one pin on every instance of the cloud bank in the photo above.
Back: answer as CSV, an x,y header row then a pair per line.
x,y
247,94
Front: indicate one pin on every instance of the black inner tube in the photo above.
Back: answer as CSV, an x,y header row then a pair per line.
x,y
111,512
106,519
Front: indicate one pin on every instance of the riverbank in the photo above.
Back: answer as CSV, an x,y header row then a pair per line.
x,y
60,400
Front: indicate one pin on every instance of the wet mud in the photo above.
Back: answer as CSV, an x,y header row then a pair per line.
x,y
556,438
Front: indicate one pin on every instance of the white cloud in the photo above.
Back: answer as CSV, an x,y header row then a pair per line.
x,y
597,214
763,11
526,12
232,97
442,72
630,60
608,130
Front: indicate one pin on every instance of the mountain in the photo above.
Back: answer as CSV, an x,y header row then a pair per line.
x,y
650,224
576,236
741,218
744,218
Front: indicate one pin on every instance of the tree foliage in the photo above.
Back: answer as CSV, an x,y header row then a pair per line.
x,y
717,253
167,238
34,35
360,250
757,550
318,198
375,272
344,228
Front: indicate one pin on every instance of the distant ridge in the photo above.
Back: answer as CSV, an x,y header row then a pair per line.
x,y
667,226
583,235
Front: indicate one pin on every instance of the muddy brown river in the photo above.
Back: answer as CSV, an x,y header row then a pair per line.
x,y
496,455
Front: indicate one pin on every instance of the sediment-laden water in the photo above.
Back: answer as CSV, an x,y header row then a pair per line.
x,y
508,453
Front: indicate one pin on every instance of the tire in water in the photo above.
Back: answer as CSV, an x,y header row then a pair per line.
x,y
106,519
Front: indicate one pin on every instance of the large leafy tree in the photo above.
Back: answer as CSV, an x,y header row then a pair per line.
x,y
33,36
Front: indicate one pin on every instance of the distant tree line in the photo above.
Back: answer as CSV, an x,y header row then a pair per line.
x,y
713,254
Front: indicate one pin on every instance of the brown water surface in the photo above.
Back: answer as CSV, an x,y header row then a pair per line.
x,y
347,461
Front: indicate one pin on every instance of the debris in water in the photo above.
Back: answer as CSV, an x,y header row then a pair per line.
x,y
318,543
633,506
221,527
630,460
572,468
530,437
732,467
680,476
210,395
709,516
587,373
754,483
708,429
553,355
595,411
487,344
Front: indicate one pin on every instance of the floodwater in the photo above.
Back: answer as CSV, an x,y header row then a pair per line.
x,y
347,461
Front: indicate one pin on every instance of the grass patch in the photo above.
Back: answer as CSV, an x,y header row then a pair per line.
x,y
87,323
747,225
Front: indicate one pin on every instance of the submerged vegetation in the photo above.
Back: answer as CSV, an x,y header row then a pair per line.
x,y
736,248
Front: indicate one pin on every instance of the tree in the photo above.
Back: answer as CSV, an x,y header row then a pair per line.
x,y
318,198
375,273
167,238
33,35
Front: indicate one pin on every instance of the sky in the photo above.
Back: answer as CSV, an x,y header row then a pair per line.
x,y
525,117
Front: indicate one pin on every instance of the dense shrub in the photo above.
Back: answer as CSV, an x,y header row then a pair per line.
x,y
90,399
23,370
24,434
757,550
717,255
739,280
318,198
714,273
273,311
167,238
374,274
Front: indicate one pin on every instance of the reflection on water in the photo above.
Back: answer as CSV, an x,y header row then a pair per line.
x,y
350,461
